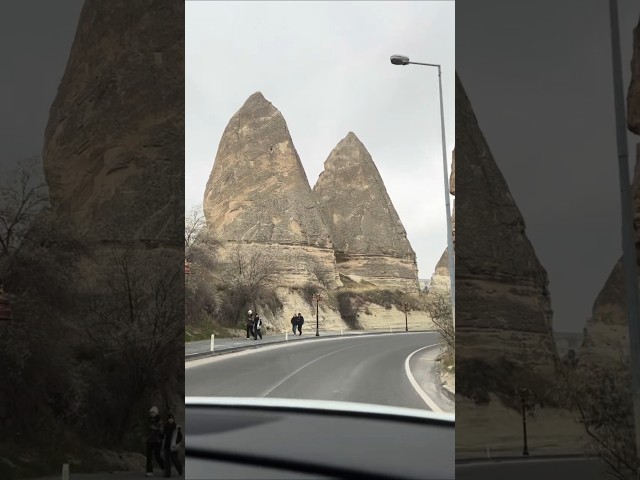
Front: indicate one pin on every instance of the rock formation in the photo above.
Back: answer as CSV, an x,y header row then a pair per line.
x,y
371,243
503,305
606,334
633,96
441,280
114,142
258,195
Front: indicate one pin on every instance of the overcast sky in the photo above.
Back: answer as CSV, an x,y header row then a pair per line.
x,y
539,77
36,40
325,66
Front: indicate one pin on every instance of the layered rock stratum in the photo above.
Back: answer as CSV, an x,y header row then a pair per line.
x,y
258,195
114,142
503,304
370,241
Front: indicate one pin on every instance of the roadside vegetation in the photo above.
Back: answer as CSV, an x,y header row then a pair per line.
x,y
93,342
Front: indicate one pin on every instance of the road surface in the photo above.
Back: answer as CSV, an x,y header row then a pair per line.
x,y
109,476
524,469
363,368
221,344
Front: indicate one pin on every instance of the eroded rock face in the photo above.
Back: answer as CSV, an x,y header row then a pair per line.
x,y
440,280
370,241
258,195
633,96
503,305
606,334
114,142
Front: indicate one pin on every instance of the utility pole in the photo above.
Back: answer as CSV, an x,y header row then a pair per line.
x,y
628,241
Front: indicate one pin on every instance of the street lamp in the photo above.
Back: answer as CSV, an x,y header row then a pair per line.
x,y
317,297
402,60
405,307
524,396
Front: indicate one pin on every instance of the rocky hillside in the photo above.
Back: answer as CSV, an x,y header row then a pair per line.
x,y
503,305
258,195
114,141
370,241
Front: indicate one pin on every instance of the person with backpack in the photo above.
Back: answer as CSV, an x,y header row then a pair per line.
x,y
250,325
300,323
257,327
154,440
294,323
171,440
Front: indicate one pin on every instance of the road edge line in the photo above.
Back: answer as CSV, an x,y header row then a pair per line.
x,y
423,395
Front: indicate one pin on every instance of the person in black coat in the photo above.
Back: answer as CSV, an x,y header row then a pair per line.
x,y
294,323
300,323
171,439
257,327
154,440
250,325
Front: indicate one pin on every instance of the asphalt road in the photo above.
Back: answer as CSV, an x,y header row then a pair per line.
x,y
545,468
364,368
221,344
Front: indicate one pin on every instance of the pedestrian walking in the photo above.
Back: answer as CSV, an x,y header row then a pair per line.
x,y
154,440
294,323
250,325
171,441
257,327
300,323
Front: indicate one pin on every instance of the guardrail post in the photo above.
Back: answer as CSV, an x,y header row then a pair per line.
x,y
340,331
65,471
390,329
212,337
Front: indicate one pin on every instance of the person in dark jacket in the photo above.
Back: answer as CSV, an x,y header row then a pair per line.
x,y
154,440
294,323
250,325
171,440
300,323
257,327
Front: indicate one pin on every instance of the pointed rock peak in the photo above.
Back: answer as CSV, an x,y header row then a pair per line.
x,y
257,97
352,138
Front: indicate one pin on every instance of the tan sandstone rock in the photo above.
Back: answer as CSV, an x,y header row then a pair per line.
x,y
503,305
114,143
258,195
370,241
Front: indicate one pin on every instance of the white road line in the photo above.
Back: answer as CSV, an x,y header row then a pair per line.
x,y
301,368
430,403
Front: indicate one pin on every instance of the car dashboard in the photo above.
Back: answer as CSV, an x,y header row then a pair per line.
x,y
267,438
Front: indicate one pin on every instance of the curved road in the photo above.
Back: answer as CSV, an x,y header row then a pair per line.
x,y
366,369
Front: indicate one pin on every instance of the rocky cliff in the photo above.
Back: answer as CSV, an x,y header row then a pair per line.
x,y
633,96
258,195
606,334
503,305
440,280
114,143
370,241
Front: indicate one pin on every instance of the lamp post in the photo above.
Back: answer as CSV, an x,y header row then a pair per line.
x,y
317,297
628,242
402,60
406,322
524,396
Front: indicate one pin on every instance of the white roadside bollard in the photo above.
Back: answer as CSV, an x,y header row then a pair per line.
x,y
65,471
340,331
212,340
390,330
286,336
488,452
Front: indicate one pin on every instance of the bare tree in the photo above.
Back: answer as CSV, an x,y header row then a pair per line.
x,y
248,275
194,223
23,194
438,305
